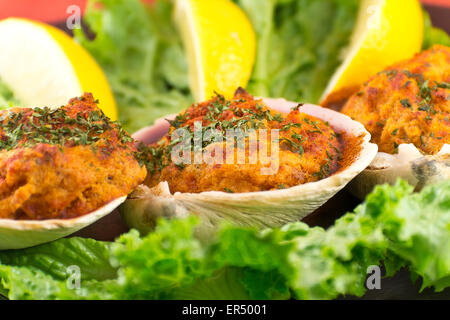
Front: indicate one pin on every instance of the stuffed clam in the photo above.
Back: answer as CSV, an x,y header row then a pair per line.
x,y
61,170
406,108
290,159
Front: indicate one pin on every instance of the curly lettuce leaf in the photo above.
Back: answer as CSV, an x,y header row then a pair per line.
x,y
55,258
25,283
417,227
167,258
419,232
43,272
225,284
394,224
142,56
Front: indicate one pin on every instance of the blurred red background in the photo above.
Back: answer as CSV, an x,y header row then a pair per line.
x,y
43,10
55,10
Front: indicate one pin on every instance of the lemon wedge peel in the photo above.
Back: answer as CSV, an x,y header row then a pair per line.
x,y
386,32
45,67
220,43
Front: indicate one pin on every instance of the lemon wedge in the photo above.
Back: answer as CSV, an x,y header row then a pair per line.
x,y
43,66
220,45
386,32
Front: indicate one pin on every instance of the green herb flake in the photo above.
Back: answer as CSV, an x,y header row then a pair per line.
x,y
405,103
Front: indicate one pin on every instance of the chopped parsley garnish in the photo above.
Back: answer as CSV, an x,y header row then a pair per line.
x,y
407,83
324,171
29,127
288,126
222,115
297,107
425,91
395,145
422,141
424,106
443,85
405,103
390,73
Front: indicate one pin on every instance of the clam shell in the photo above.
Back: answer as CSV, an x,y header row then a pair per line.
x,y
409,164
259,209
18,234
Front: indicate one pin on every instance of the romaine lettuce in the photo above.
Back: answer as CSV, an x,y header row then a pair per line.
x,y
299,44
142,56
92,257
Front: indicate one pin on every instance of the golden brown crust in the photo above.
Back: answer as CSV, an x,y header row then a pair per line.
x,y
309,150
407,103
93,165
